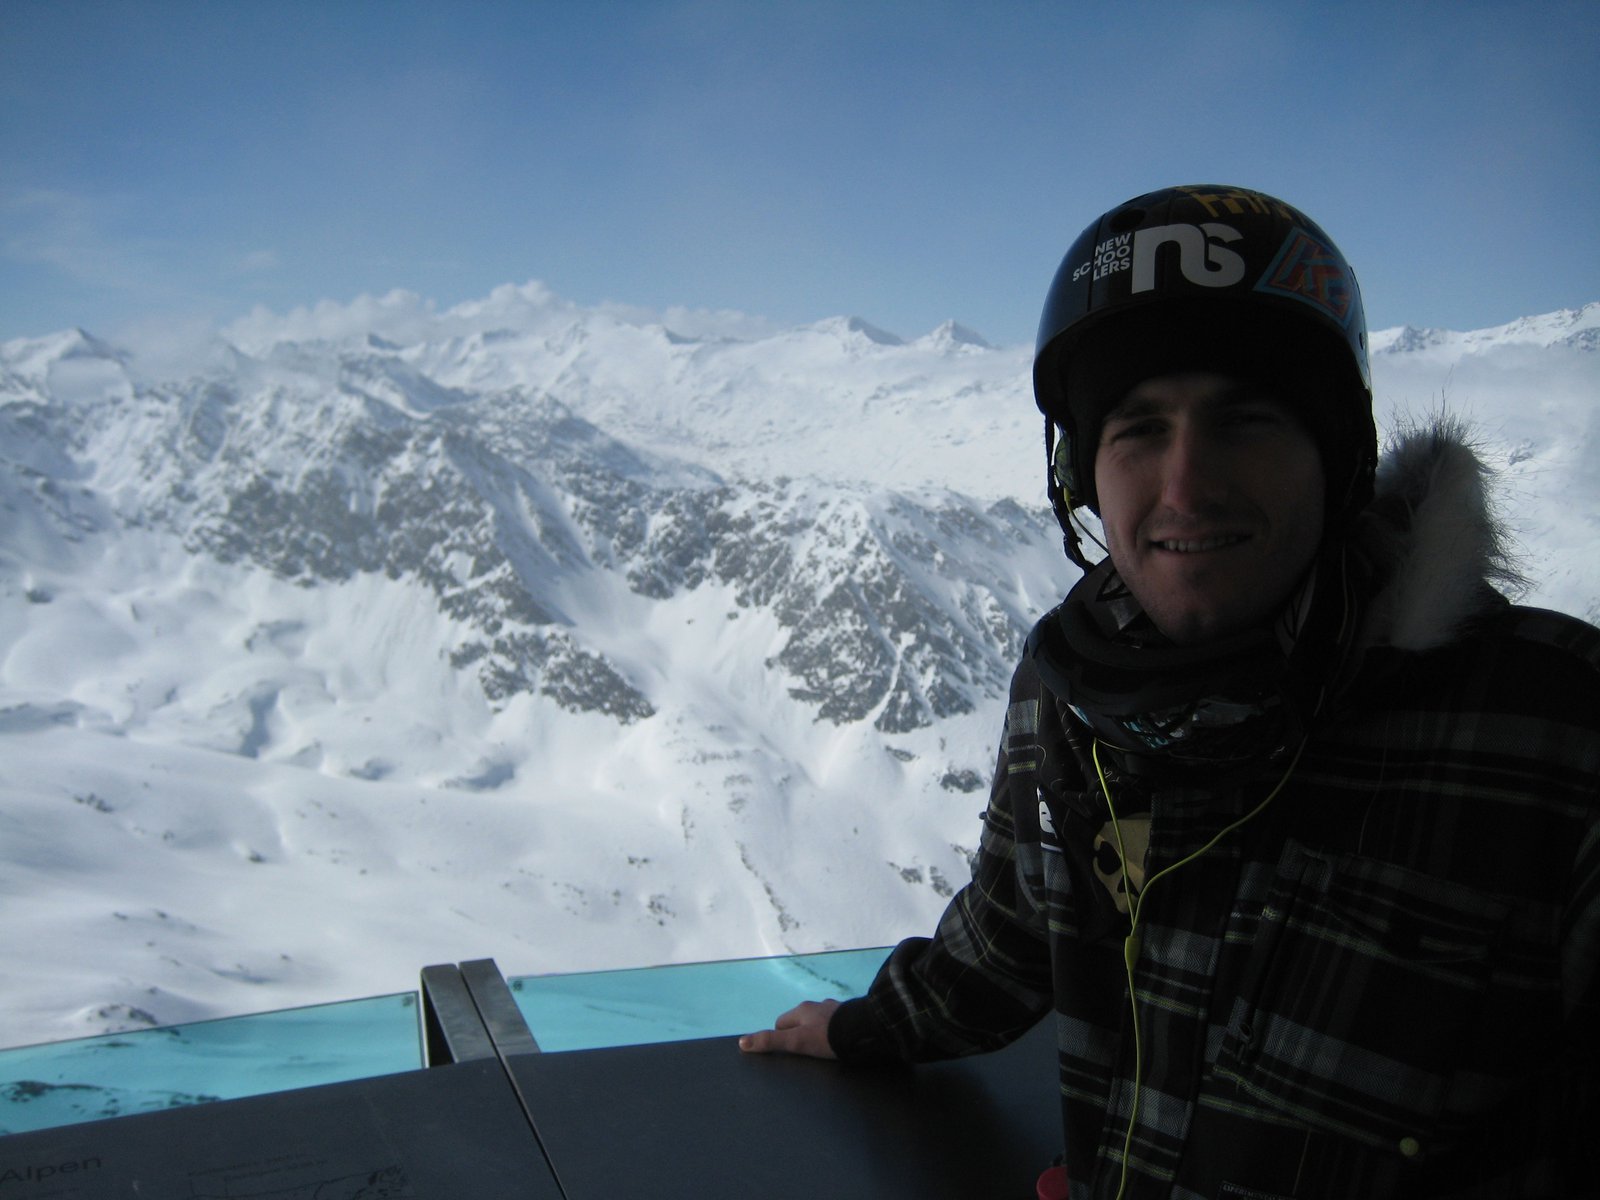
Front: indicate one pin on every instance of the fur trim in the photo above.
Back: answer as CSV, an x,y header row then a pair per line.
x,y
1431,532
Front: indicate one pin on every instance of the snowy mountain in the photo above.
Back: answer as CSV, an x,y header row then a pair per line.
x,y
1573,328
370,636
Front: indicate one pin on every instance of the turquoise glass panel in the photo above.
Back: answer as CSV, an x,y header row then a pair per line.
x,y
691,1000
63,1083
89,1079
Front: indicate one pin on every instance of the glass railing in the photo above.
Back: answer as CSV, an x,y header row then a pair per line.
x,y
87,1079
113,1075
690,1000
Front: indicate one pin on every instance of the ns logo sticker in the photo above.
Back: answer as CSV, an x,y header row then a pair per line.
x,y
1203,254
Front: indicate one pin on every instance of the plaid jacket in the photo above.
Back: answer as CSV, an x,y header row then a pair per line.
x,y
1383,985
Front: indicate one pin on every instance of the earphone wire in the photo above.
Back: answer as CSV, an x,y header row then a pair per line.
x,y
1131,943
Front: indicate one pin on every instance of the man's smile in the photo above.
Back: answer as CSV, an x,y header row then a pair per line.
x,y
1199,545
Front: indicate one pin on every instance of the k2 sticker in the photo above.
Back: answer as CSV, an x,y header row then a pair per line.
x,y
1309,270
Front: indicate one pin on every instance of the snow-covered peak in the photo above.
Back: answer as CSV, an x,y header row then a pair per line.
x,y
1578,328
854,330
33,358
954,336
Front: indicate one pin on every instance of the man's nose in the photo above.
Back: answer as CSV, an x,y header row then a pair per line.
x,y
1194,475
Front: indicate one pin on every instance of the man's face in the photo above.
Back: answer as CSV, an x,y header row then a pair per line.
x,y
1211,495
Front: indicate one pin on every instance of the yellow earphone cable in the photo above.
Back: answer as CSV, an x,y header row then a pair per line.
x,y
1130,944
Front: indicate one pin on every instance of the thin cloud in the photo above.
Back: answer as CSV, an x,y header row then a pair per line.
x,y
67,232
260,260
397,313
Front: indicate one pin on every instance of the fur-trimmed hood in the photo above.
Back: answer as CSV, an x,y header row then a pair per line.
x,y
1439,553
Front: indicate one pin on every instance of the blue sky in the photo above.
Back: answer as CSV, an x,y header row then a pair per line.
x,y
907,163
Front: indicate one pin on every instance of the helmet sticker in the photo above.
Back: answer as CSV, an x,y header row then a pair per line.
x,y
1309,269
1200,258
1112,255
1239,201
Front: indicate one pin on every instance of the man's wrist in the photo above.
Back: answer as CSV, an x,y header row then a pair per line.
x,y
855,1034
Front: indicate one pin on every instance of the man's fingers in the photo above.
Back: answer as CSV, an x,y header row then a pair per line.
x,y
802,1014
768,1041
803,1040
801,1030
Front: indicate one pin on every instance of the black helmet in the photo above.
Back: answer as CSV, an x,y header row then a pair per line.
x,y
1202,278
1205,277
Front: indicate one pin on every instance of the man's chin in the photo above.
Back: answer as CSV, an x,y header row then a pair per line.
x,y
1195,624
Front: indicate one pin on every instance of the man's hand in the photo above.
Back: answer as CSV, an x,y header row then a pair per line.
x,y
801,1030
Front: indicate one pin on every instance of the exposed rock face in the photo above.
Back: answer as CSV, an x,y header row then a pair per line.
x,y
320,463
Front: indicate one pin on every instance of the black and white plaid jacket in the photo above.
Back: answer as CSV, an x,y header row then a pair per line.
x,y
1384,985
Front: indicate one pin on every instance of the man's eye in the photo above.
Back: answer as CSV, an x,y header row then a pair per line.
x,y
1134,429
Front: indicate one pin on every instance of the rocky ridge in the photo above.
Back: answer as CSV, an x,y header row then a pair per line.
x,y
320,462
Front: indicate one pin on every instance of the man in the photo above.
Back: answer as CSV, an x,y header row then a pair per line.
x,y
1295,825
